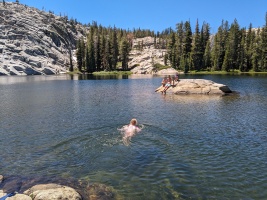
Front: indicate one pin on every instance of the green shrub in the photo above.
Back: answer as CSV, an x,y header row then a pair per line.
x,y
159,66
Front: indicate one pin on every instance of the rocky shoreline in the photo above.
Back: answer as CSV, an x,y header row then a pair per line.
x,y
44,188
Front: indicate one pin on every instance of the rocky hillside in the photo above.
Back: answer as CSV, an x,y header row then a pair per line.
x,y
34,42
142,60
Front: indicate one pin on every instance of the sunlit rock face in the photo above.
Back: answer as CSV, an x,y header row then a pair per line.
x,y
34,42
143,58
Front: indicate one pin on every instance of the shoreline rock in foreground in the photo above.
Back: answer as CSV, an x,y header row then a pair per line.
x,y
43,188
196,86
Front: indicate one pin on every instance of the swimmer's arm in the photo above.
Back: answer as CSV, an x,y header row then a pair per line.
x,y
124,128
139,129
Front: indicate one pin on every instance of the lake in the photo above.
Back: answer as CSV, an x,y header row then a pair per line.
x,y
191,147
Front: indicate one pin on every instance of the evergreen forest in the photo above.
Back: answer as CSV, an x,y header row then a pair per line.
x,y
231,48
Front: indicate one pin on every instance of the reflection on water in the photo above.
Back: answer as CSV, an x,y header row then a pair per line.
x,y
193,98
97,77
7,80
106,77
191,147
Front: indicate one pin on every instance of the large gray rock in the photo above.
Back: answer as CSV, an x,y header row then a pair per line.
x,y
19,197
196,86
3,72
15,197
142,61
52,192
30,39
49,70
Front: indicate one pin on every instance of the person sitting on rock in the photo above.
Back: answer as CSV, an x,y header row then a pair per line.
x,y
168,84
176,77
164,81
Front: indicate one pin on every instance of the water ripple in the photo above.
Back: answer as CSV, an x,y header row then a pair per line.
x,y
191,147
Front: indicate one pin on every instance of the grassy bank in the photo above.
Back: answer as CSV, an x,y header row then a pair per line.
x,y
102,72
224,72
112,73
75,71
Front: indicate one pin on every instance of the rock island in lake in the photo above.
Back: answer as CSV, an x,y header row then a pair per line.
x,y
196,86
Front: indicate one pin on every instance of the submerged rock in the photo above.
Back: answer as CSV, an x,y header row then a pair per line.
x,y
196,86
100,191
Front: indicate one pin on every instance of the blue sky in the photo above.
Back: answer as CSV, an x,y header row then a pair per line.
x,y
157,15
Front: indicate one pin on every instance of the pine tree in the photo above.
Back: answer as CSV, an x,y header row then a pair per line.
x,y
219,48
124,53
231,61
80,54
86,62
207,56
71,64
107,56
102,52
227,62
90,55
263,66
185,62
237,48
187,42
197,54
215,53
242,58
206,34
179,45
97,58
205,38
250,37
256,52
166,59
114,49
171,49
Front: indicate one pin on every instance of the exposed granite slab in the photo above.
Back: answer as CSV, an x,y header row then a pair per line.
x,y
196,86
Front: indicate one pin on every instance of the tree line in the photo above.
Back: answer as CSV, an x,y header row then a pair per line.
x,y
104,49
231,48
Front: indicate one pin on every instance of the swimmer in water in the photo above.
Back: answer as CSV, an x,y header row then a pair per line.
x,y
129,131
